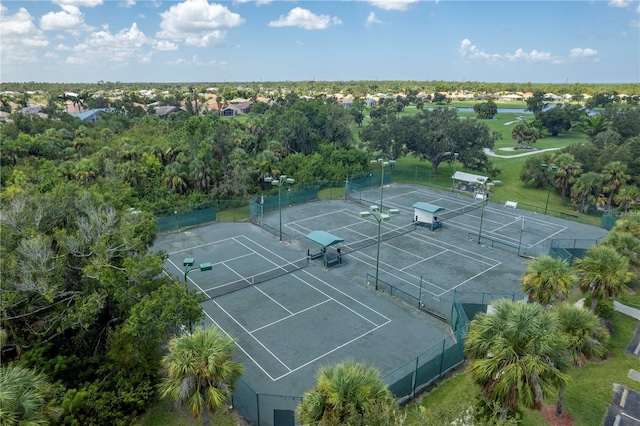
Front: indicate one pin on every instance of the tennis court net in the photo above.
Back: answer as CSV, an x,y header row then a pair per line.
x,y
270,274
462,210
369,241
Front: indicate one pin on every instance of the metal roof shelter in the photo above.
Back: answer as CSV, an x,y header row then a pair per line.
x,y
325,239
430,208
427,213
469,177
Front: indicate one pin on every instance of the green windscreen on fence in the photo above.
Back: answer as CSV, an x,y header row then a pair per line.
x,y
174,219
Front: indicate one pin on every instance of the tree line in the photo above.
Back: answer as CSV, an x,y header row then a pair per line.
x,y
84,301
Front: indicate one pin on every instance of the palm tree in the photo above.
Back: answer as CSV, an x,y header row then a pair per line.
x,y
175,178
348,393
585,336
24,397
625,244
200,371
547,280
629,223
627,196
590,125
517,355
524,132
602,273
568,170
588,188
614,177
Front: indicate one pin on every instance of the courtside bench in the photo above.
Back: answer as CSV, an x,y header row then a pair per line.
x,y
512,204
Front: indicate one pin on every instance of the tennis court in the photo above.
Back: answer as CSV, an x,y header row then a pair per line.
x,y
290,316
527,232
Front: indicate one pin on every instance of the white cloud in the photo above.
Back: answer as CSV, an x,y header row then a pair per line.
x,y
470,51
104,47
303,18
257,2
467,50
371,20
533,56
579,53
83,3
634,24
393,4
20,39
68,19
164,45
619,3
197,23
127,3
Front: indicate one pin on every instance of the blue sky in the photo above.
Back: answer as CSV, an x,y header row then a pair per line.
x,y
263,40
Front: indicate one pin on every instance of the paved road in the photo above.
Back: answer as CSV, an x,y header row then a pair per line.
x,y
627,310
490,153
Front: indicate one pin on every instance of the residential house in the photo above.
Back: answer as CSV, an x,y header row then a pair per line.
x,y
163,111
93,115
347,101
236,109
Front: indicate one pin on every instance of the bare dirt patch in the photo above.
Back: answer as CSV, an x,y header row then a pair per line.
x,y
549,414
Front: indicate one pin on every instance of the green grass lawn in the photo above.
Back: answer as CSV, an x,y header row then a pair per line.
x,y
586,397
165,413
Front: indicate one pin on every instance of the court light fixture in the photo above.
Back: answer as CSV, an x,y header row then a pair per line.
x,y
188,266
279,182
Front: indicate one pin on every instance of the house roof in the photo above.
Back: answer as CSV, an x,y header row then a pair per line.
x,y
323,238
89,113
166,110
469,177
427,207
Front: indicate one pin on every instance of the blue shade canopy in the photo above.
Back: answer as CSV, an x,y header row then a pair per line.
x,y
430,208
323,238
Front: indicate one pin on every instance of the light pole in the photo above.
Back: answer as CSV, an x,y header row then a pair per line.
x,y
483,185
382,166
188,266
544,166
279,182
379,215
455,159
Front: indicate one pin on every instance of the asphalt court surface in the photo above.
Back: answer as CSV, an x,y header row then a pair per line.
x,y
285,328
406,260
266,318
233,259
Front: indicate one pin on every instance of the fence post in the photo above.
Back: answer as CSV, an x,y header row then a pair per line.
x,y
442,358
258,406
414,379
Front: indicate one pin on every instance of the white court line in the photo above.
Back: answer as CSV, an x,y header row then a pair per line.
x,y
339,303
330,352
550,237
265,249
290,316
390,267
273,300
203,245
468,279
237,344
252,336
345,294
424,259
329,298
